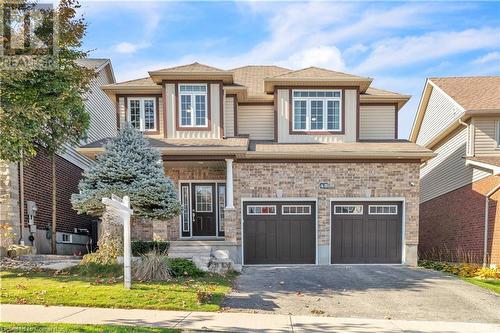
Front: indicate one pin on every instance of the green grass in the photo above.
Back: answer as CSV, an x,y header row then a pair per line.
x,y
493,285
73,328
45,288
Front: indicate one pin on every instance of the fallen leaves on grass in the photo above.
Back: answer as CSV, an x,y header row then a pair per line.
x,y
317,312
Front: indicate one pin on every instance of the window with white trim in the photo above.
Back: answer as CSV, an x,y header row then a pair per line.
x,y
193,105
261,210
221,192
296,210
383,209
67,238
185,214
348,209
317,110
142,113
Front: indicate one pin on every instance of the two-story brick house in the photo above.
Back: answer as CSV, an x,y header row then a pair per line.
x,y
459,119
279,166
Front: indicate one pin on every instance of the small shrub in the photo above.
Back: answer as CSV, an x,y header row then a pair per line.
x,y
97,270
105,255
153,266
487,273
180,267
143,247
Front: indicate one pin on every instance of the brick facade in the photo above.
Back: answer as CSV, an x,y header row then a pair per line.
x,y
38,188
452,224
263,180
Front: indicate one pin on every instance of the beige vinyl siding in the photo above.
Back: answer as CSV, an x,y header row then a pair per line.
x,y
214,133
486,136
447,171
257,121
377,122
229,117
283,101
439,114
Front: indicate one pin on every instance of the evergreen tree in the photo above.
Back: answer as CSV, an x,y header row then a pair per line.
x,y
128,166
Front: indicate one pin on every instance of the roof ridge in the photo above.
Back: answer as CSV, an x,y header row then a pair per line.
x,y
127,81
320,68
464,77
274,66
194,63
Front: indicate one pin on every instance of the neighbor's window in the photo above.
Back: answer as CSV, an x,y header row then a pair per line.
x,y
142,113
193,105
317,110
261,210
348,209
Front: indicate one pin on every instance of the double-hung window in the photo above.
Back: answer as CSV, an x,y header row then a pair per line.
x,y
317,110
142,113
193,105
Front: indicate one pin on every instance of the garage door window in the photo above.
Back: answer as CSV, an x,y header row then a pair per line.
x,y
296,210
348,209
261,210
383,210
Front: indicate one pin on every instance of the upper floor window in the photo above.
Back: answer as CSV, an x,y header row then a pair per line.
x,y
193,105
142,113
317,110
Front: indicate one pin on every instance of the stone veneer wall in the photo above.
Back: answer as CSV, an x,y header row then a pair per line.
x,y
9,196
169,230
261,180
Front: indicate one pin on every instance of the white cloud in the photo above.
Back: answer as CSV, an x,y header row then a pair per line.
x,y
398,52
487,58
128,48
322,56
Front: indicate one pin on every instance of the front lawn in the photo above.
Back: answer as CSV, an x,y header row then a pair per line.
x,y
72,328
493,285
46,288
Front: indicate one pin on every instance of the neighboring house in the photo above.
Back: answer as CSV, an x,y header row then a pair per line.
x,y
73,230
277,166
459,119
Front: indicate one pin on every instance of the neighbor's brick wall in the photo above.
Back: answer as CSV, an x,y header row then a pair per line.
x,y
350,180
169,230
38,188
455,221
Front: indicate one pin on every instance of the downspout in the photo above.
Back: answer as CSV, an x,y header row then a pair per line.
x,y
21,198
486,223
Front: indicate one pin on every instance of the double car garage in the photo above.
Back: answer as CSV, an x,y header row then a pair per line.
x,y
285,232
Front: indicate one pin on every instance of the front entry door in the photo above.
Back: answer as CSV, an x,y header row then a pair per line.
x,y
204,209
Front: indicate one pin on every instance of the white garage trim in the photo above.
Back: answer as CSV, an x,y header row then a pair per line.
x,y
368,199
243,200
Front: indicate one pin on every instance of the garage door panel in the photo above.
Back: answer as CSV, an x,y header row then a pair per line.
x,y
371,236
279,238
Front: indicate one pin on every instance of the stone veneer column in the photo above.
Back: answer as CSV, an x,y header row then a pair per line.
x,y
9,196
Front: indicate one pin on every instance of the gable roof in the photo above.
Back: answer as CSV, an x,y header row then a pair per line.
x,y
98,64
374,95
197,70
316,76
252,77
472,92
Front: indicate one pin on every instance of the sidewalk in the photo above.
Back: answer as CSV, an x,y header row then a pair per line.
x,y
230,322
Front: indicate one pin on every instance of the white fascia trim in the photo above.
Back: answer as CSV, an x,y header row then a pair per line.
x,y
495,170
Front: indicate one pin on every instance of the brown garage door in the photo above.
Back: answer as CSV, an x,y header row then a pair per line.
x,y
366,232
279,232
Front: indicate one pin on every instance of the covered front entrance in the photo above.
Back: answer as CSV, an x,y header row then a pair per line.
x,y
366,232
202,204
279,232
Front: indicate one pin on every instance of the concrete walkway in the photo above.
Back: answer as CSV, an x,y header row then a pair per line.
x,y
230,322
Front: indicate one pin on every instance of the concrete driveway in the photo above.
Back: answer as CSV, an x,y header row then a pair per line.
x,y
362,291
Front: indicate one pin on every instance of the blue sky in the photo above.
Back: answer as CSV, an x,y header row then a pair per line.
x,y
399,44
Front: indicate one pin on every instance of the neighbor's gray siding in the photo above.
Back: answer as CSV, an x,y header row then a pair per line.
x,y
377,122
447,171
440,113
486,136
257,121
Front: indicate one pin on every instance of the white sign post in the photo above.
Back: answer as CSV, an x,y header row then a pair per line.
x,y
122,208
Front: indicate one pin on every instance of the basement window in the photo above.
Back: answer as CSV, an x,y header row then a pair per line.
x,y
67,238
